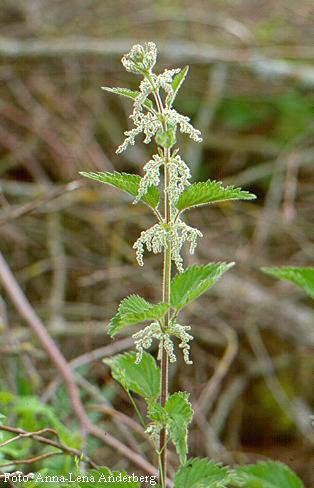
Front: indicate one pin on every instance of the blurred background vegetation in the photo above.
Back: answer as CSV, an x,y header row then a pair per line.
x,y
250,91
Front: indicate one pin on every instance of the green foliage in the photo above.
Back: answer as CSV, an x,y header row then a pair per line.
x,y
126,92
135,309
195,281
244,113
302,277
166,139
142,378
207,192
30,414
126,182
202,473
286,116
180,415
1,422
33,415
176,85
157,413
176,415
294,112
269,474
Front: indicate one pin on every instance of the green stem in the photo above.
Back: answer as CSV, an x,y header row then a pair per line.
x,y
161,478
156,94
166,299
166,280
140,417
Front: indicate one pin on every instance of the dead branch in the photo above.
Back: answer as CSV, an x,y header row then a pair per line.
x,y
15,213
201,52
38,436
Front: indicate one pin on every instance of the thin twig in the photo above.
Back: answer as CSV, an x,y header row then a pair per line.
x,y
32,460
38,436
89,357
26,208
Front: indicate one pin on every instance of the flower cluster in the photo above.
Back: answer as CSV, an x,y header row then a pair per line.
x,y
150,123
141,59
154,83
159,236
180,233
153,431
151,176
165,81
180,331
146,123
154,240
174,118
179,175
144,338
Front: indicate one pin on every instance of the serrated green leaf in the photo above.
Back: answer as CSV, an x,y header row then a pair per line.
x,y
207,192
177,83
133,94
126,182
180,414
195,281
135,309
202,473
142,378
302,277
157,413
176,415
269,474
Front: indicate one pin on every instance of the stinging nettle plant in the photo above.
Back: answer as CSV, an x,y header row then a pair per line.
x,y
166,189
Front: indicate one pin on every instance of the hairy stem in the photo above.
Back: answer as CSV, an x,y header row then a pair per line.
x,y
166,279
166,299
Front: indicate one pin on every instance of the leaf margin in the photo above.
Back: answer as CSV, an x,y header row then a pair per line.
x,y
235,193
123,319
200,287
282,273
148,363
123,180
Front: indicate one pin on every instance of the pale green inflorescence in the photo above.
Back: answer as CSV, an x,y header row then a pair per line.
x,y
160,120
144,338
153,431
